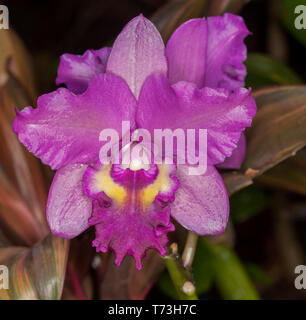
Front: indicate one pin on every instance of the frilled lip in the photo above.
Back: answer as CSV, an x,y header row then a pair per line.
x,y
195,81
130,208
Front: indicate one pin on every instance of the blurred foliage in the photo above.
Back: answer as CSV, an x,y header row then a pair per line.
x,y
278,130
176,12
126,282
289,175
247,203
257,274
263,70
37,273
20,62
23,193
231,278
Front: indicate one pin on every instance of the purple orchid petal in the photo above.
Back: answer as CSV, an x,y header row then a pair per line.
x,y
137,53
226,52
201,203
224,114
65,127
76,71
68,208
186,52
130,211
237,157
209,52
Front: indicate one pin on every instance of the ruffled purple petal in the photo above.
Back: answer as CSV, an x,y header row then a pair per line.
x,y
224,114
209,52
226,52
201,203
130,208
77,70
65,128
137,52
237,157
68,208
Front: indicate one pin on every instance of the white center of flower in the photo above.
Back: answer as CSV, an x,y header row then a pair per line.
x,y
135,157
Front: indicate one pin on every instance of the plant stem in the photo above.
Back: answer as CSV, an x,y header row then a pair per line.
x,y
180,276
190,249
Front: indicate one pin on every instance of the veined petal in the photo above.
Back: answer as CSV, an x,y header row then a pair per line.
x,y
77,70
237,157
65,128
186,52
130,211
209,52
68,208
223,113
137,52
201,203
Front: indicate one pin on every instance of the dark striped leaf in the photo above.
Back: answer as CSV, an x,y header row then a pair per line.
x,y
235,181
37,273
16,219
22,169
278,131
289,175
20,62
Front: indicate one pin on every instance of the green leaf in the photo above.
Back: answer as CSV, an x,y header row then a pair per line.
x,y
166,285
264,70
247,203
288,17
231,278
203,268
37,273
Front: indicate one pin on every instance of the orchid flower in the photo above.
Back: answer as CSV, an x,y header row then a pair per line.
x,y
194,82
